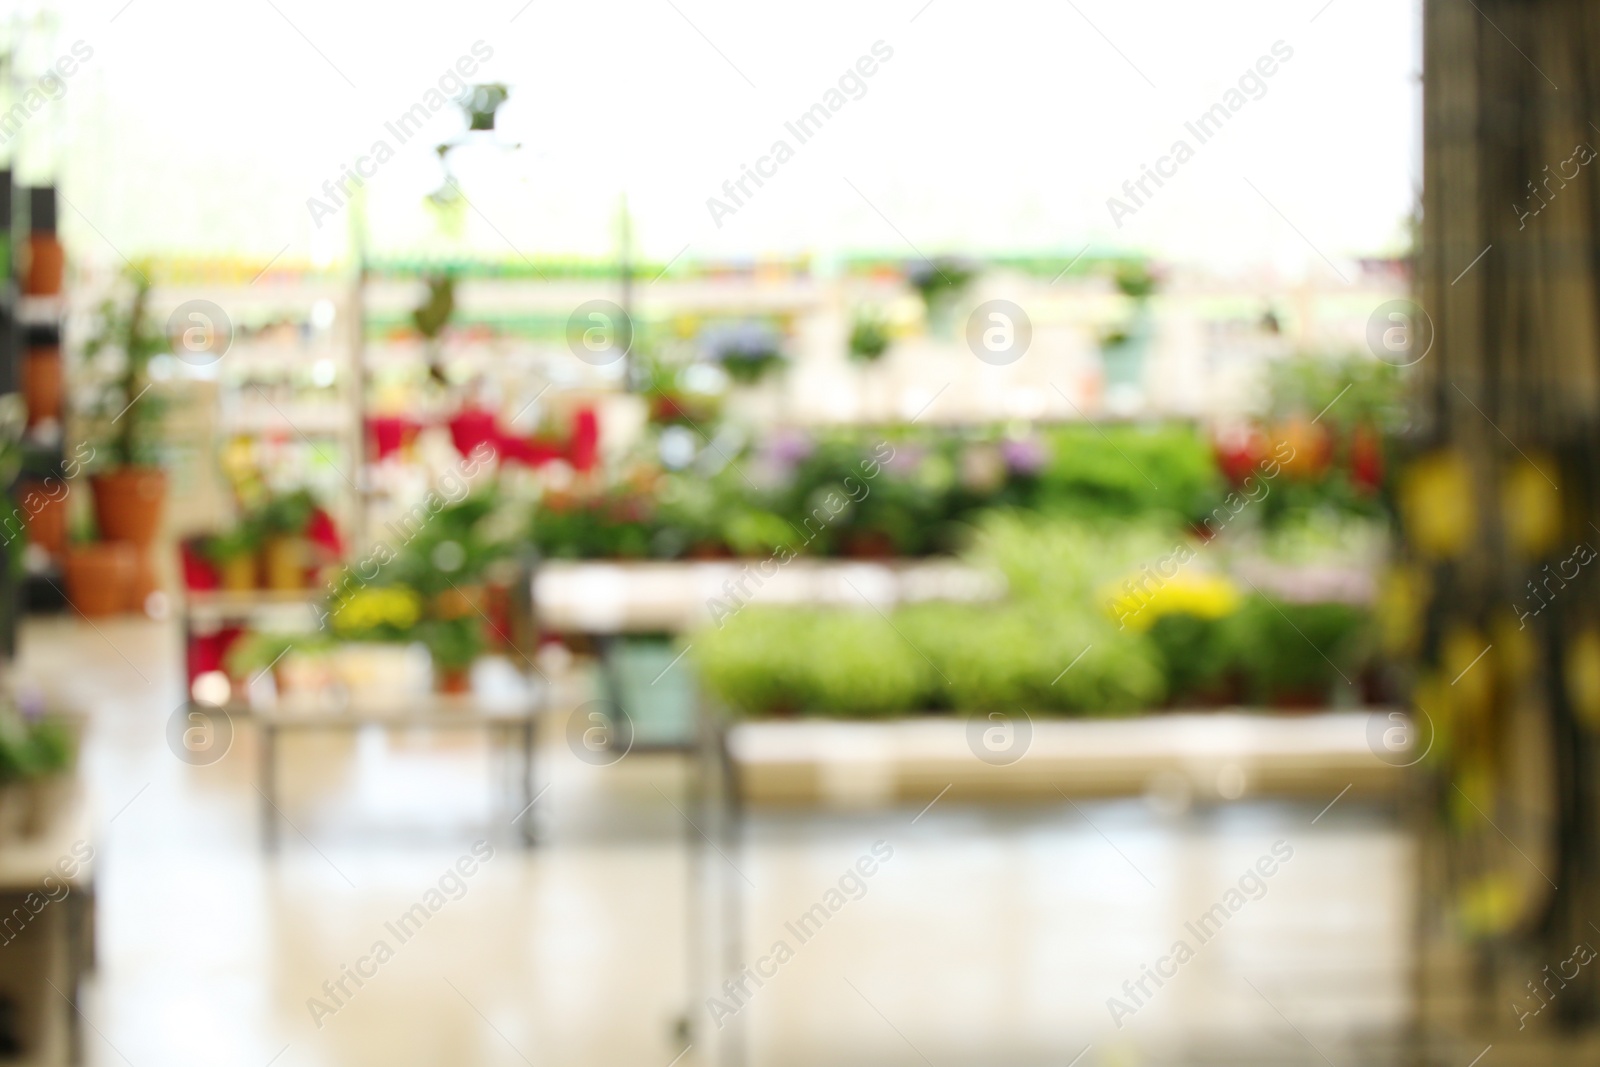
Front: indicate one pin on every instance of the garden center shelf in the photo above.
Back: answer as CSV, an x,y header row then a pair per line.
x,y
669,597
1204,756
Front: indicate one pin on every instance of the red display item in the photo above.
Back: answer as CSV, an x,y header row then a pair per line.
x,y
391,433
583,451
199,573
473,427
323,532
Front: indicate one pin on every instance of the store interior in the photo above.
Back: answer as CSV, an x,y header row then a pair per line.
x,y
799,538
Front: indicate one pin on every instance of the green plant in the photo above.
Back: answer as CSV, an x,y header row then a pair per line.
x,y
258,650
284,514
241,541
1130,471
454,644
828,662
940,277
1197,653
33,748
126,414
1291,651
456,545
869,337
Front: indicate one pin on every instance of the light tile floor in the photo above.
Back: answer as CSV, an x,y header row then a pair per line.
x,y
991,935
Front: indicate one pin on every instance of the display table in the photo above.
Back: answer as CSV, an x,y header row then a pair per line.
x,y
46,951
508,721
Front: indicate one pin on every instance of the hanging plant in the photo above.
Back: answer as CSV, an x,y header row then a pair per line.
x,y
869,337
747,351
941,277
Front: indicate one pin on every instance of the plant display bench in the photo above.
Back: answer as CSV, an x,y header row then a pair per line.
x,y
510,725
45,956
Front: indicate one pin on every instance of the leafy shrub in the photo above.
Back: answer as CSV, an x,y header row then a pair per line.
x,y
1197,653
776,660
1129,471
1299,650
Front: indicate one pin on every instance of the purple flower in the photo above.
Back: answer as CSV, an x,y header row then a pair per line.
x,y
907,459
788,447
1026,455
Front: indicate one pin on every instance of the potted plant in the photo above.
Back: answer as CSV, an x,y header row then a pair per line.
x,y
129,488
747,351
869,337
99,574
234,554
940,281
36,752
455,644
282,521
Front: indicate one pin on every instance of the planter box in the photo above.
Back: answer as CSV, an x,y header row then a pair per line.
x,y
1213,755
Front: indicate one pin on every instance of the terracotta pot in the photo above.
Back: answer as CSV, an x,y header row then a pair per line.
x,y
46,517
453,680
127,503
99,576
458,603
41,384
47,262
283,563
238,574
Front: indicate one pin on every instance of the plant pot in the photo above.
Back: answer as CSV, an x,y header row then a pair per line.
x,y
458,603
41,384
99,576
127,503
283,563
453,680
238,574
47,262
46,517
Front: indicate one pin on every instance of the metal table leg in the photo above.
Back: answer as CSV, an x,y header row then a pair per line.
x,y
269,786
528,835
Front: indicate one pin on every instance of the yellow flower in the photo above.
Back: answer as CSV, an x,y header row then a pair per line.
x,y
368,609
1145,596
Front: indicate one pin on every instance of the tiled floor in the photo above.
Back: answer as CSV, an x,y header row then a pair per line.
x,y
990,935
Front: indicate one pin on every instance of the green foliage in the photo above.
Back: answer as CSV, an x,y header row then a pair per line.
x,y
434,313
906,491
453,643
1197,654
126,416
845,663
869,338
256,651
1347,391
1129,471
455,546
243,540
1048,647
283,514
1299,650
34,748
